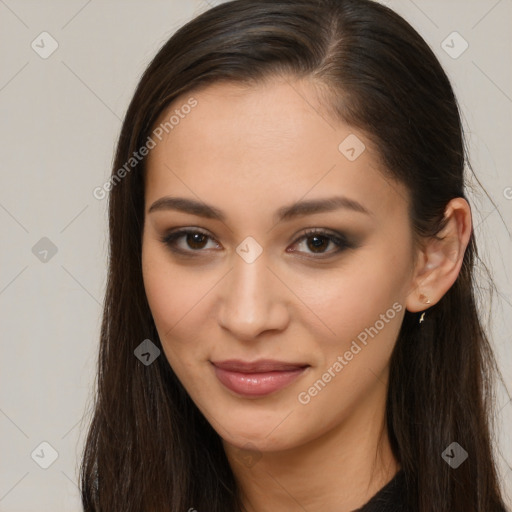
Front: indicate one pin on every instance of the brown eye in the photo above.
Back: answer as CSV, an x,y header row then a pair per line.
x,y
196,240
192,240
317,241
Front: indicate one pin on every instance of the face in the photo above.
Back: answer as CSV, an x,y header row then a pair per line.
x,y
276,262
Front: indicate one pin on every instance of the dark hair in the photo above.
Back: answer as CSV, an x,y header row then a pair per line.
x,y
149,447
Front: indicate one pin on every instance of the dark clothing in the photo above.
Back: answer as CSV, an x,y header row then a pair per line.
x,y
389,499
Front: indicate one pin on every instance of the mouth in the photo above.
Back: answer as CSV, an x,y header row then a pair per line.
x,y
257,378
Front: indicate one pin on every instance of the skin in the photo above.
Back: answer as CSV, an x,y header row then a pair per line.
x,y
249,151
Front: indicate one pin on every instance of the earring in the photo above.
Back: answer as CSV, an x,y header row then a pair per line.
x,y
426,300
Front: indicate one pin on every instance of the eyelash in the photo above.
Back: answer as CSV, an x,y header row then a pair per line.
x,y
338,239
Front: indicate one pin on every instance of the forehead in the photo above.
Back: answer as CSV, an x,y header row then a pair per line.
x,y
266,120
274,141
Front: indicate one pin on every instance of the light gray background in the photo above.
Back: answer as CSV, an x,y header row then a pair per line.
x,y
60,118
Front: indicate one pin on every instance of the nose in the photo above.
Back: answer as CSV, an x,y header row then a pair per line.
x,y
252,300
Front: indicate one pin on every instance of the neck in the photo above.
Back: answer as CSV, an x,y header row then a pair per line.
x,y
339,470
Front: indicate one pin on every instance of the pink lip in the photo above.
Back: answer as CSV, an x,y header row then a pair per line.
x,y
257,378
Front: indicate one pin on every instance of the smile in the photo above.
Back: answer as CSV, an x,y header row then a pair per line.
x,y
259,378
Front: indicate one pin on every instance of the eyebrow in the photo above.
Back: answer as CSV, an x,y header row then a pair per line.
x,y
284,213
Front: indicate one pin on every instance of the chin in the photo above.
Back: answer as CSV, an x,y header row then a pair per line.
x,y
260,442
272,434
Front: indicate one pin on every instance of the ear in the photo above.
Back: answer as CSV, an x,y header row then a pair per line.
x,y
440,258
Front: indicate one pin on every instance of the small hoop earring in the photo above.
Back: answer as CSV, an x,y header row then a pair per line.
x,y
422,317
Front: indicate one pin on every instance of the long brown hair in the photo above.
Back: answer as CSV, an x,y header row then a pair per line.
x,y
148,447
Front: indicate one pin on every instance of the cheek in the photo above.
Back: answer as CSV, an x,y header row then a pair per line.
x,y
174,292
363,305
173,299
173,303
355,296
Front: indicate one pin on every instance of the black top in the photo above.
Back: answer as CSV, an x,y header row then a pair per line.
x,y
390,498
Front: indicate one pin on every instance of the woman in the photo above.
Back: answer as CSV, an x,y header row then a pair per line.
x,y
289,321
